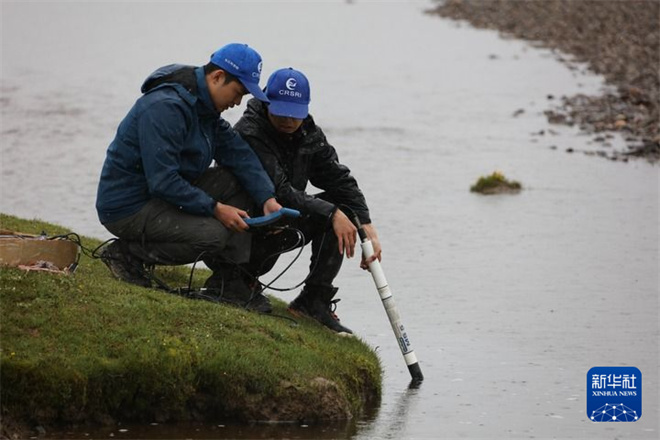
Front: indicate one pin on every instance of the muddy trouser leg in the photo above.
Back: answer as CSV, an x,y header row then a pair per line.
x,y
162,234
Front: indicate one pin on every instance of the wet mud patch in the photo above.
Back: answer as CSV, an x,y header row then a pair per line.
x,y
321,400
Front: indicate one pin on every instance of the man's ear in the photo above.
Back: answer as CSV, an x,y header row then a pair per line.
x,y
218,76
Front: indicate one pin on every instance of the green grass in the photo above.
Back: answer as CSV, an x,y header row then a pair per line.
x,y
85,347
495,183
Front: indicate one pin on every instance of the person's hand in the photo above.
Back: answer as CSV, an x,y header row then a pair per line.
x,y
346,233
271,206
375,242
231,217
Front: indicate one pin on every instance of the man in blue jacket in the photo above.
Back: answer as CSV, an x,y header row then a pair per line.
x,y
157,192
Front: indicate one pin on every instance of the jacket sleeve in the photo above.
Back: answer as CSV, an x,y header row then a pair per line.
x,y
234,153
287,195
162,129
337,181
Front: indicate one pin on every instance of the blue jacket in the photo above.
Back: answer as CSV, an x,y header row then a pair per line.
x,y
166,141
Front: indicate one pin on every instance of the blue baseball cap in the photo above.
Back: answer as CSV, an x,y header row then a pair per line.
x,y
244,63
288,93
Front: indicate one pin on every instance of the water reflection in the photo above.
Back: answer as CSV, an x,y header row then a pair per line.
x,y
394,420
393,425
201,431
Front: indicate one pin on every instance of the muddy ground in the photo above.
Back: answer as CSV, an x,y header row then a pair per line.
x,y
617,39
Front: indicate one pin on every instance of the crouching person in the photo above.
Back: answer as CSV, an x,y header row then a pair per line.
x,y
294,151
157,192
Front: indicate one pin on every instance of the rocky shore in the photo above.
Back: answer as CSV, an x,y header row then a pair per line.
x,y
617,39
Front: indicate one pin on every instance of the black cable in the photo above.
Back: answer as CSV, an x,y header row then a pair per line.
x,y
256,292
301,243
311,271
85,250
192,271
189,292
196,294
316,262
95,254
287,318
73,266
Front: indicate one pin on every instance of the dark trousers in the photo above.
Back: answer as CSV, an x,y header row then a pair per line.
x,y
325,262
162,234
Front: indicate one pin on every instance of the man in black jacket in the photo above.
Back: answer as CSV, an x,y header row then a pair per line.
x,y
294,151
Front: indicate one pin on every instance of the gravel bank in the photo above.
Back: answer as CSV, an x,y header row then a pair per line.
x,y
618,39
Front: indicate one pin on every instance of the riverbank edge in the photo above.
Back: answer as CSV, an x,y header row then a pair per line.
x,y
84,349
619,40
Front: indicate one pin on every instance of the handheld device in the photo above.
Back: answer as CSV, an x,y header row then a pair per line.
x,y
267,220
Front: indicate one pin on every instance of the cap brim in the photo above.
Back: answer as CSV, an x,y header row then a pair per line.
x,y
288,109
255,90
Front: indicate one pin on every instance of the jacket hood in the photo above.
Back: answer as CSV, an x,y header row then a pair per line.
x,y
188,81
171,74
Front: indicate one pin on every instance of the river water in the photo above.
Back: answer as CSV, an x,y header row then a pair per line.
x,y
508,300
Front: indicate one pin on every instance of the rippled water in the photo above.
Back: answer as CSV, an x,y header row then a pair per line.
x,y
508,300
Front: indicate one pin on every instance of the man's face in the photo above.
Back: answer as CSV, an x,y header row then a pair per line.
x,y
224,96
284,124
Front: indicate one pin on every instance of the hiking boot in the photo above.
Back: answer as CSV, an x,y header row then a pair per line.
x,y
229,287
123,265
318,304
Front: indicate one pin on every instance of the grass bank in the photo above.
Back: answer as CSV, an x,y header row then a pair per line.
x,y
86,348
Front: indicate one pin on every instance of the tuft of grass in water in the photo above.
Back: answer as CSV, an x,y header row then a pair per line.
x,y
495,183
85,347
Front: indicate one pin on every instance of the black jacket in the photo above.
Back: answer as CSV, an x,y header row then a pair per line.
x,y
305,156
